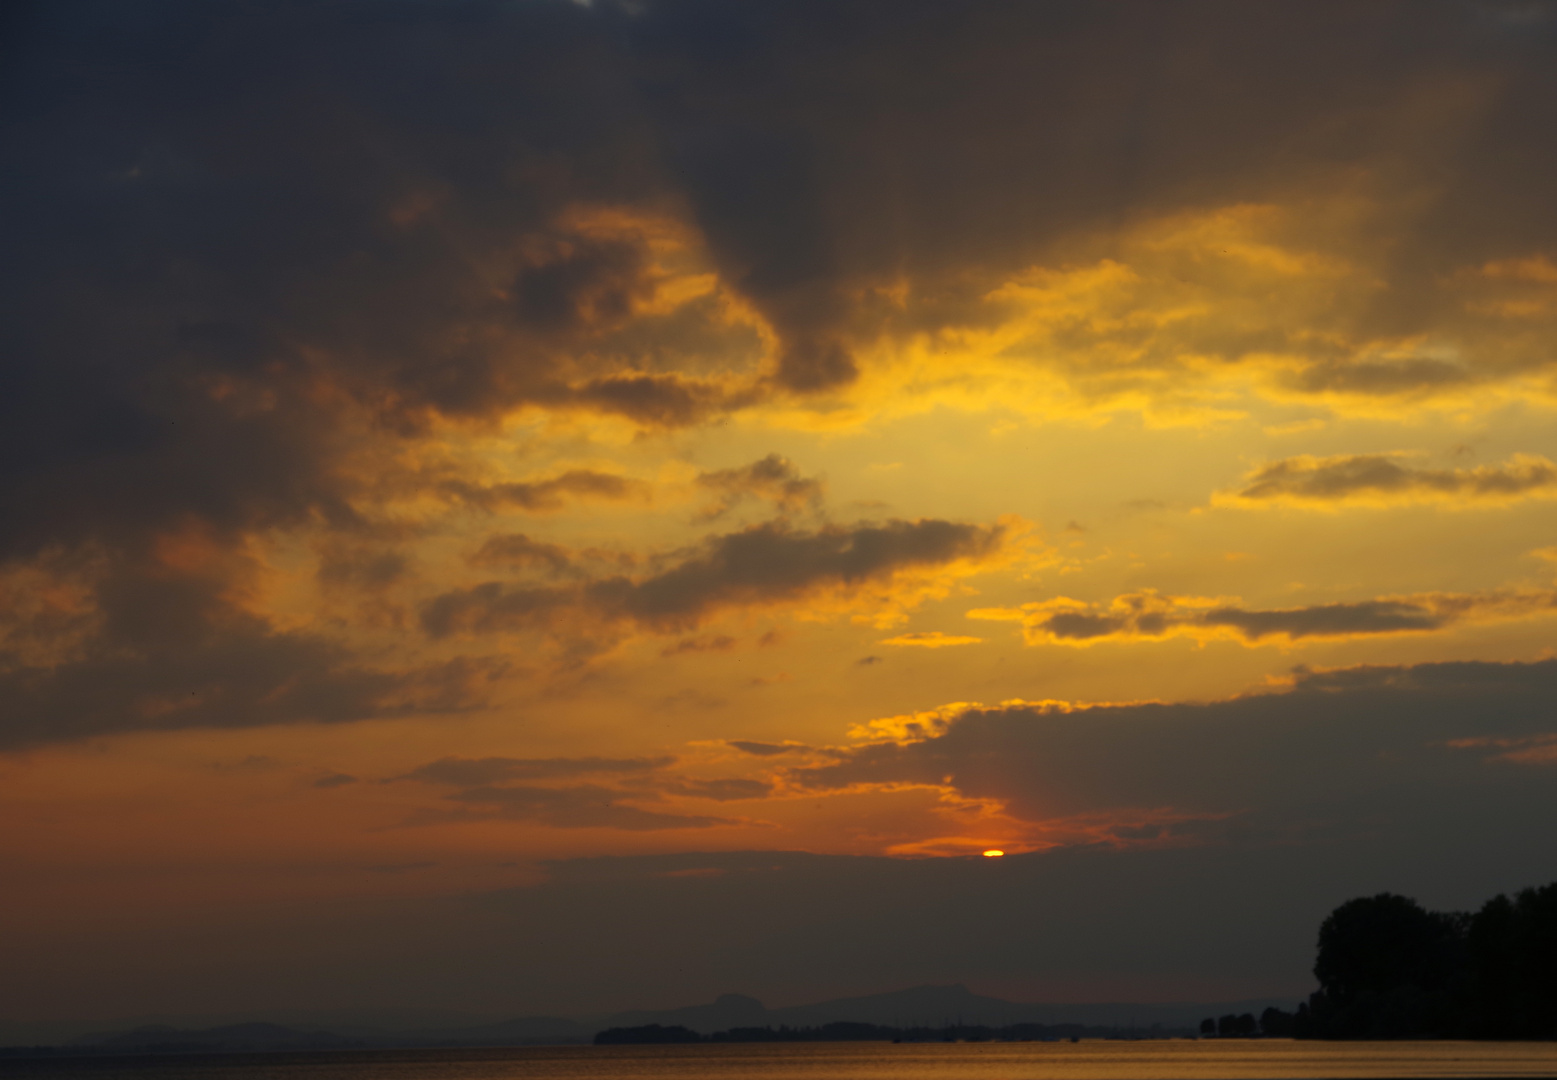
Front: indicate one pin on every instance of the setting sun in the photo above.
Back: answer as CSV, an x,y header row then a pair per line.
x,y
993,853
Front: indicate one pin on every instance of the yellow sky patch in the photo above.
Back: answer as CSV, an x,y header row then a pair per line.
x,y
930,639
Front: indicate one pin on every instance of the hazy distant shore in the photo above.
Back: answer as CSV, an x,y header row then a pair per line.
x,y
925,1013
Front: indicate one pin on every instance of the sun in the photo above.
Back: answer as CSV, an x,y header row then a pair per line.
x,y
993,853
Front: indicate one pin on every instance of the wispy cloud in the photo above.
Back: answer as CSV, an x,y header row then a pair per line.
x,y
773,478
1152,616
1381,480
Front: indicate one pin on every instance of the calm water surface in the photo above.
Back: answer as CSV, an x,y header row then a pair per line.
x,y
837,1061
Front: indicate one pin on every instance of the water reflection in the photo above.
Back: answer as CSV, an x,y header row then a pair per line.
x,y
1100,1060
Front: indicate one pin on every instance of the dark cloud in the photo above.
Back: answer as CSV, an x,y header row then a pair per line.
x,y
1321,620
1328,620
765,749
1358,748
522,552
729,789
580,283
335,780
774,478
243,675
764,564
720,643
551,494
165,648
360,566
657,400
877,139
268,213
1380,477
1152,615
1416,376
171,650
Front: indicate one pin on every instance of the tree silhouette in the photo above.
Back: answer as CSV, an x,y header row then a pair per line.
x,y
1388,968
1237,1027
1511,950
1276,1024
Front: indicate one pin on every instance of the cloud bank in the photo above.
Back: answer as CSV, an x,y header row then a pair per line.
x,y
1335,752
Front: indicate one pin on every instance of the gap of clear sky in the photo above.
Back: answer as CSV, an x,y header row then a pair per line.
x,y
546,506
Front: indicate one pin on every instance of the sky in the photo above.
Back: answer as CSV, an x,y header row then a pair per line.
x,y
549,507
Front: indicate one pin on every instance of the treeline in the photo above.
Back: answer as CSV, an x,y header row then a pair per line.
x,y
1390,969
846,1031
1387,968
1273,1023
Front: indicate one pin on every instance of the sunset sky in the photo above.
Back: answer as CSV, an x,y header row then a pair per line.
x,y
539,506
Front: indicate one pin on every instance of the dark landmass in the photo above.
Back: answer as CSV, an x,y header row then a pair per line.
x,y
521,1031
928,1006
1273,1023
732,1017
845,1031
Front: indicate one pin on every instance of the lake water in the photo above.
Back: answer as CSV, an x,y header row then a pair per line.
x,y
1089,1060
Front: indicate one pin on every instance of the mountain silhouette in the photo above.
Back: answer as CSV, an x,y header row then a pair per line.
x,y
928,1006
727,1011
919,1006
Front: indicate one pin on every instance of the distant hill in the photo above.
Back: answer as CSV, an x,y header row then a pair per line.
x,y
931,1006
920,1006
727,1011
